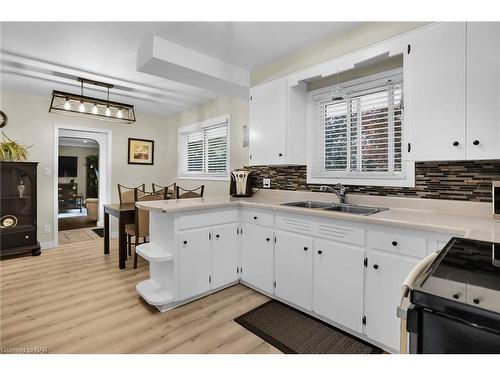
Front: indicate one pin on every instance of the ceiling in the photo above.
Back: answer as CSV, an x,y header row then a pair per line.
x,y
38,57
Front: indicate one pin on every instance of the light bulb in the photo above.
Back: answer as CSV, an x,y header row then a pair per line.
x,y
81,108
67,105
94,109
108,112
119,114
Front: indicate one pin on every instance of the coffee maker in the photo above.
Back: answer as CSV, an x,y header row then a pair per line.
x,y
241,184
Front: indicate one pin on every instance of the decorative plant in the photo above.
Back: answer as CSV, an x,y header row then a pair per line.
x,y
11,150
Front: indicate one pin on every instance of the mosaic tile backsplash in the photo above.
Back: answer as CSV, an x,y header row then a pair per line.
x,y
464,180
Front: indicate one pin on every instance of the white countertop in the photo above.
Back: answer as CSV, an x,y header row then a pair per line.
x,y
479,227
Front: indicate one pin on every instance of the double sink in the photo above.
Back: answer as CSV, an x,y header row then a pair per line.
x,y
338,207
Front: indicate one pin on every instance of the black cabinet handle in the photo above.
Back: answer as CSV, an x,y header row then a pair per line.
x,y
320,252
184,242
268,239
456,143
394,243
456,296
217,236
375,266
255,217
280,154
305,248
476,301
475,142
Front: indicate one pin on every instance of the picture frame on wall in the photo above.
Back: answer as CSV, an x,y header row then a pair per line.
x,y
141,151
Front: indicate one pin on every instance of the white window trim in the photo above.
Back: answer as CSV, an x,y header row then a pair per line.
x,y
199,127
405,179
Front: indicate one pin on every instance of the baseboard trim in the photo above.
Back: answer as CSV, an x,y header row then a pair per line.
x,y
47,245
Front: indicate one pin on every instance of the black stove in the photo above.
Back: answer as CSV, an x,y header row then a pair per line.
x,y
456,302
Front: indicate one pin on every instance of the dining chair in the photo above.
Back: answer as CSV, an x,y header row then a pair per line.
x,y
140,229
126,194
169,190
190,193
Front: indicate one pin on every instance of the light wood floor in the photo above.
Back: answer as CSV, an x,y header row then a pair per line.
x,y
73,299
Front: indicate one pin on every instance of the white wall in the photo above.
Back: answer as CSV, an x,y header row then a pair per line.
x,y
31,124
81,153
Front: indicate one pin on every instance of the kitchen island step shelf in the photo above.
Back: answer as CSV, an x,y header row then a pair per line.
x,y
153,293
153,253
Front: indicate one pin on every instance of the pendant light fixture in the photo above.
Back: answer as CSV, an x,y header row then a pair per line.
x,y
86,106
338,92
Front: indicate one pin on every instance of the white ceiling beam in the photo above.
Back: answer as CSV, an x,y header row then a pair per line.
x,y
162,58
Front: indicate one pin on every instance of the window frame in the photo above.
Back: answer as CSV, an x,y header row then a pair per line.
x,y
203,126
406,178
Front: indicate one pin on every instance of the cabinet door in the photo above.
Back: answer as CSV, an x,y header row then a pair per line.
x,y
338,279
385,274
268,123
436,103
257,256
194,262
293,268
225,255
483,90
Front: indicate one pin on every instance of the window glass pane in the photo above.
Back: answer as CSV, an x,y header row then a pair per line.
x,y
195,156
336,147
375,132
398,126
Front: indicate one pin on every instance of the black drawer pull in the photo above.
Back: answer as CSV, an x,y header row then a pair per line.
x,y
375,266
476,301
320,252
255,217
456,296
268,239
280,154
394,243
475,142
456,143
184,242
217,236
305,248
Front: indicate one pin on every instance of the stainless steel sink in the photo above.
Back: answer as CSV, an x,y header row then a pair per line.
x,y
353,209
308,204
342,207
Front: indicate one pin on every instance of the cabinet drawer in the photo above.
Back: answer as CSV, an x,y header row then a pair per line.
x,y
257,217
198,220
398,242
17,238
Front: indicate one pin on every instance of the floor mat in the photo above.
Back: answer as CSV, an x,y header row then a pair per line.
x,y
292,331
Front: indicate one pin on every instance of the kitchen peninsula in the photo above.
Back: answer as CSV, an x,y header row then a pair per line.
x,y
199,246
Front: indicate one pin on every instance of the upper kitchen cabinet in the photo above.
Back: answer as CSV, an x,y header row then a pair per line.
x,y
483,90
278,123
436,92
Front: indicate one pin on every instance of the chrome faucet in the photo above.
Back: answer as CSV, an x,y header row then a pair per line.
x,y
339,191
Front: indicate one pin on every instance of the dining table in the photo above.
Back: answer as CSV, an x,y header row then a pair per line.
x,y
125,213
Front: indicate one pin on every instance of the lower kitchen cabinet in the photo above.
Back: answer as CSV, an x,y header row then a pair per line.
x,y
293,268
194,262
257,256
225,254
338,282
385,274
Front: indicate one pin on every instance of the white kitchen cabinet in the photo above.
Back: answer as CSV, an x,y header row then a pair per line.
x,y
338,282
225,257
483,90
277,123
257,248
194,262
385,274
293,268
436,92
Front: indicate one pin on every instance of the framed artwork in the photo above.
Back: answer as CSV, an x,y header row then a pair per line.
x,y
141,151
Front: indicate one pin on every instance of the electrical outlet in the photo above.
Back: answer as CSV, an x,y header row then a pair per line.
x,y
266,183
47,171
47,228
